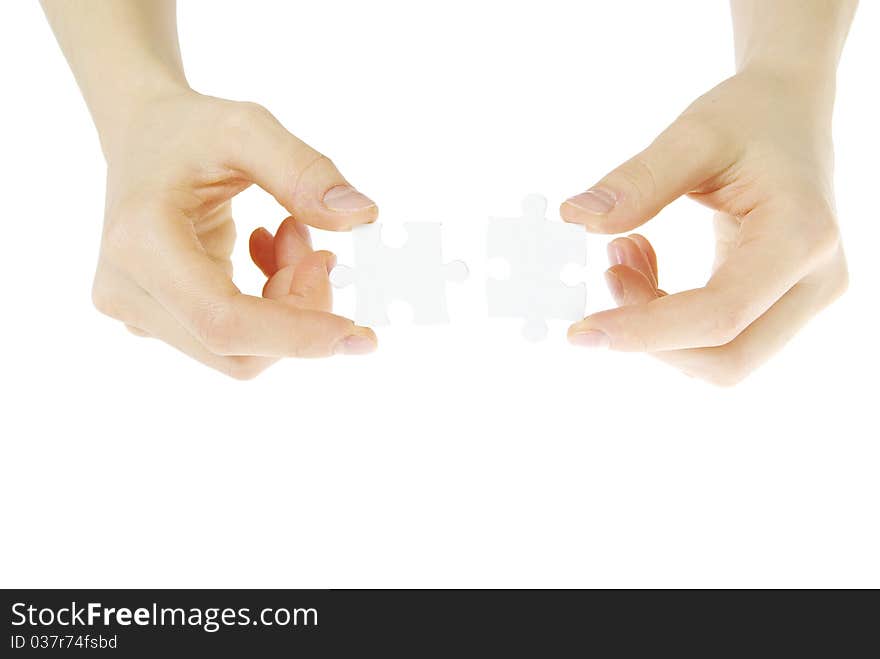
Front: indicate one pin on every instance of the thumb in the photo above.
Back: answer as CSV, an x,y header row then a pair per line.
x,y
677,162
302,180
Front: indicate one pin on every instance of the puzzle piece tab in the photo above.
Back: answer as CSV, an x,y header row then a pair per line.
x,y
537,252
414,273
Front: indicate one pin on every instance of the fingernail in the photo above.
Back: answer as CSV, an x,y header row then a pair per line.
x,y
614,285
590,339
346,199
303,232
598,201
615,253
355,344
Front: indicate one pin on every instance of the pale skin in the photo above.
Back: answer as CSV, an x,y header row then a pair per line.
x,y
756,149
164,267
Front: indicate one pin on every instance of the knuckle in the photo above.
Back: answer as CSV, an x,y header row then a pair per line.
x,y
215,327
116,241
325,161
693,131
840,284
638,177
728,313
313,162
115,295
728,324
309,166
105,301
243,368
827,238
105,295
833,283
819,234
244,114
137,331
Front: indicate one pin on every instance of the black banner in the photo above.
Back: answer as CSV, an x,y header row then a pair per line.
x,y
317,623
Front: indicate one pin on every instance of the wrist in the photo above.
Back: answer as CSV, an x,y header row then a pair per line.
x,y
812,82
817,70
800,40
114,110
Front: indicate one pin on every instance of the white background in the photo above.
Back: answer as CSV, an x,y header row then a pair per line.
x,y
458,455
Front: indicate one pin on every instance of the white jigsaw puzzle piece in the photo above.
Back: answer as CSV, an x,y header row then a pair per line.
x,y
537,252
414,273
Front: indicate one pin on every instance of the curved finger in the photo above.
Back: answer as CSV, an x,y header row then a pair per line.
x,y
272,253
729,364
302,279
629,286
625,251
764,266
305,285
262,249
648,251
174,269
292,243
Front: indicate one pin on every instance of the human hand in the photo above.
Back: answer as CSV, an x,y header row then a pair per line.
x,y
756,149
164,267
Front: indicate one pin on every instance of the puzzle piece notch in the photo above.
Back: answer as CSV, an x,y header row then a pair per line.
x,y
537,252
414,273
